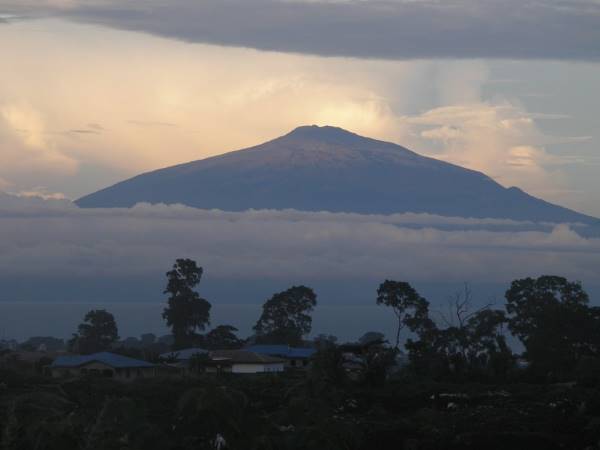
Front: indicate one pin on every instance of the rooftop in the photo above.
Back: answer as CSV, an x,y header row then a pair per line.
x,y
110,359
244,357
283,351
186,353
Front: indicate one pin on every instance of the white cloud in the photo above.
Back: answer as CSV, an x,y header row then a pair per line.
x,y
42,193
44,238
500,139
27,147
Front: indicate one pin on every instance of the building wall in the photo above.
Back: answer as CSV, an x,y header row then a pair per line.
x,y
298,363
257,368
104,370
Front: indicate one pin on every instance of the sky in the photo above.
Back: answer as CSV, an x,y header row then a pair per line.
x,y
57,260
96,91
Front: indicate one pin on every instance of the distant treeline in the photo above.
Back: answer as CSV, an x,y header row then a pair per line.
x,y
550,315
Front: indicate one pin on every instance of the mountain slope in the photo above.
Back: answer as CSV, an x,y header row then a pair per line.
x,y
327,168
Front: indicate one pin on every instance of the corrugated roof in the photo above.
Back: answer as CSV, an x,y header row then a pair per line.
x,y
186,353
110,359
282,351
244,357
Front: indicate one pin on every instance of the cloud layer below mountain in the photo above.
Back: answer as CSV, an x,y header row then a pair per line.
x,y
55,238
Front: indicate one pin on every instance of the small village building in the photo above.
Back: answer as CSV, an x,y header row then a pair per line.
x,y
181,358
104,364
222,361
243,361
295,357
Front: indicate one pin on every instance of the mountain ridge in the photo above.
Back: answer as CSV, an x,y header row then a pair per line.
x,y
316,168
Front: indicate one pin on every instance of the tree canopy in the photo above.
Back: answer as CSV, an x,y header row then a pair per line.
x,y
186,311
222,337
285,317
405,301
97,333
551,316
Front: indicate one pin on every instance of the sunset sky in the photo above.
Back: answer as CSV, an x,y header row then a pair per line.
x,y
92,92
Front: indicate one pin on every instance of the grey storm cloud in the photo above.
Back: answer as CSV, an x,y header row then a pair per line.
x,y
57,238
392,29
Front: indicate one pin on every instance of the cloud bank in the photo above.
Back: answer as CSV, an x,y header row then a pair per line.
x,y
55,238
392,29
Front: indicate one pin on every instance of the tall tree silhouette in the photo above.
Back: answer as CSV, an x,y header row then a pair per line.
x,y
286,316
97,333
552,318
404,300
222,337
186,311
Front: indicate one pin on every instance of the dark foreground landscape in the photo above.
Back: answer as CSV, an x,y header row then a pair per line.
x,y
292,411
457,384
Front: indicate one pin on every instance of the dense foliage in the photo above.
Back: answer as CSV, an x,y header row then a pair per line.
x,y
294,412
186,312
97,333
286,317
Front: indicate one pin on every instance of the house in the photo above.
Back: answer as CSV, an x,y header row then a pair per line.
x,y
295,357
219,361
243,361
104,364
182,358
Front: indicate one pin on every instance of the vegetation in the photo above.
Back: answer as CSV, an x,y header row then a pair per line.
x,y
286,317
405,302
186,312
458,386
222,337
553,320
97,333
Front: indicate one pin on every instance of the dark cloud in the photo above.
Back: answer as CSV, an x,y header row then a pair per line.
x,y
83,131
393,29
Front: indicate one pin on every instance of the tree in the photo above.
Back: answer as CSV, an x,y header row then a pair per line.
x,y
148,339
39,420
404,300
472,342
186,311
97,333
222,337
371,337
43,343
286,317
551,317
328,364
208,412
324,340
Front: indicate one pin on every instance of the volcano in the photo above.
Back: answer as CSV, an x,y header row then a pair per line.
x,y
330,169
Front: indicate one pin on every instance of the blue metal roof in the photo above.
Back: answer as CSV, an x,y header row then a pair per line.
x,y
282,351
110,359
184,354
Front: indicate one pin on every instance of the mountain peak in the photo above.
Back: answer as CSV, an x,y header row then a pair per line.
x,y
326,168
324,133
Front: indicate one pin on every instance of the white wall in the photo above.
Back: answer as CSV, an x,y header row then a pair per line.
x,y
257,368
